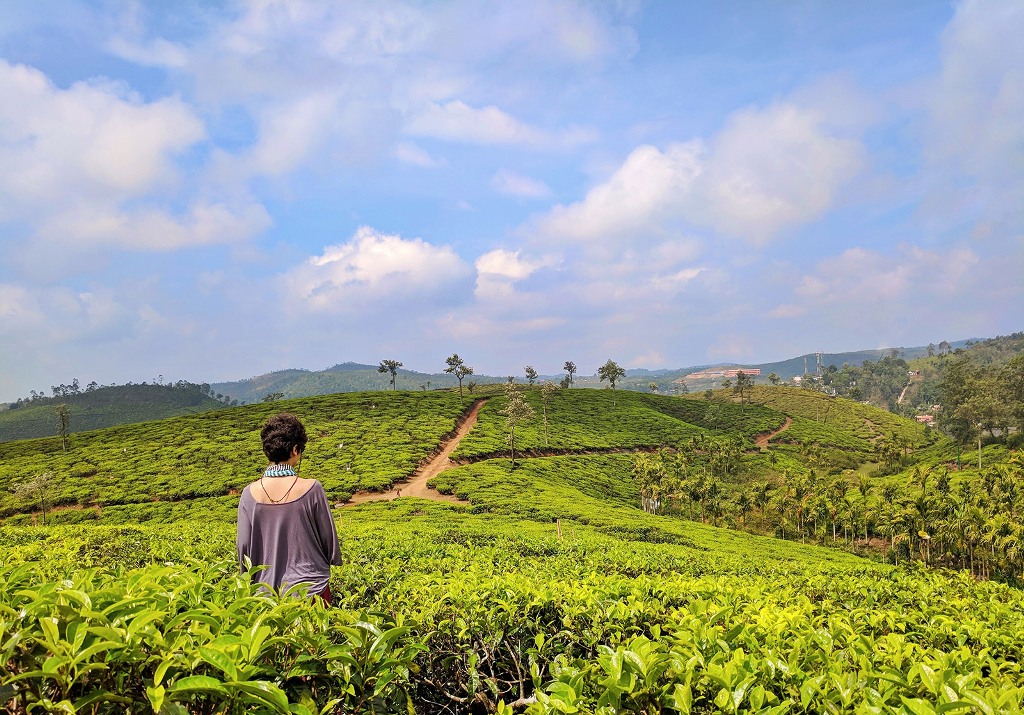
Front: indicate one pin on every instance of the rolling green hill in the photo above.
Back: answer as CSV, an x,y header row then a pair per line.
x,y
547,590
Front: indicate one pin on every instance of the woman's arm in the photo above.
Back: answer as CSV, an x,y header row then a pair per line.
x,y
326,531
243,539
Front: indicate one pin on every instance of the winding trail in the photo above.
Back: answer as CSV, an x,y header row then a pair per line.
x,y
416,486
762,440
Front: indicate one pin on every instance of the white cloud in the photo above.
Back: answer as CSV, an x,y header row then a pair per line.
x,y
978,104
675,280
96,166
499,270
19,311
772,168
635,201
89,141
374,266
506,264
514,184
765,171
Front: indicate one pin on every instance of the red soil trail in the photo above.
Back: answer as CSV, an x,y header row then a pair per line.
x,y
416,486
762,440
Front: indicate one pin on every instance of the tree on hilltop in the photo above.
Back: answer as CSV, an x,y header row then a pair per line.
x,y
570,370
530,373
457,367
744,384
611,371
390,366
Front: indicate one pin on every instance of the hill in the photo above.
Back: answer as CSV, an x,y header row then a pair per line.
x,y
548,589
124,406
99,407
355,377
344,377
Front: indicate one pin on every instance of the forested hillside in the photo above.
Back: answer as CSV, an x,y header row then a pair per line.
x,y
96,407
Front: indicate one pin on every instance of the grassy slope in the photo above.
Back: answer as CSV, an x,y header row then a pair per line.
x,y
357,440
369,440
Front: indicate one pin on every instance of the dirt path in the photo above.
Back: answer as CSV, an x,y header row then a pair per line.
x,y
416,486
762,440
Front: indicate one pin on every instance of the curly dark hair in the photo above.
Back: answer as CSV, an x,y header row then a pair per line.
x,y
280,434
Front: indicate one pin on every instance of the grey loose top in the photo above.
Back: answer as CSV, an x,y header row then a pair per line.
x,y
296,540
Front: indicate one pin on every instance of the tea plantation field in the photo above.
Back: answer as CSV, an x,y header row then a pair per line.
x,y
548,591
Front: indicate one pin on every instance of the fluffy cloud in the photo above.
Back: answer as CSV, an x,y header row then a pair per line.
x,y
638,199
377,268
83,165
499,270
770,169
765,171
90,141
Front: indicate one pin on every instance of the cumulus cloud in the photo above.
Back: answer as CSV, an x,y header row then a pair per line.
x,y
766,170
93,141
515,184
636,200
772,168
95,166
344,81
499,270
374,266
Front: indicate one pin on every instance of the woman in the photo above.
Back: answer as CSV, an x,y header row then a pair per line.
x,y
284,520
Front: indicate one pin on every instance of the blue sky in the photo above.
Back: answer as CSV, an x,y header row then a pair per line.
x,y
211,191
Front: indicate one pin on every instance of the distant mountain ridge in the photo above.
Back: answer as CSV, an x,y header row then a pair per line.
x,y
355,377
343,377
124,404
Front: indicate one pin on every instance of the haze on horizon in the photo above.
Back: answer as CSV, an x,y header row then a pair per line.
x,y
211,191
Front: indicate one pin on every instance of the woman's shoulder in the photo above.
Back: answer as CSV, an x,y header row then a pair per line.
x,y
312,485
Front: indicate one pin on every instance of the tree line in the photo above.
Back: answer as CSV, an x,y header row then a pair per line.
x,y
59,393
941,517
